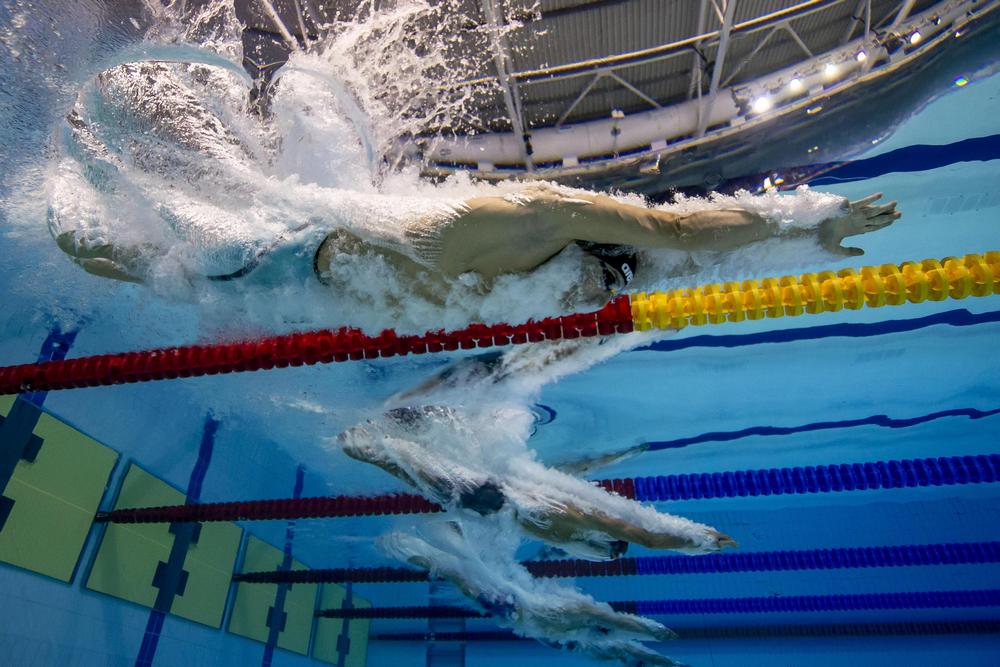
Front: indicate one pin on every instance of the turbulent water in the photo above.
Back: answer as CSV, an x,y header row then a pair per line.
x,y
168,161
135,131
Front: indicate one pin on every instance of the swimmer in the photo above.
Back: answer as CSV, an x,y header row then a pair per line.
x,y
554,615
432,244
558,509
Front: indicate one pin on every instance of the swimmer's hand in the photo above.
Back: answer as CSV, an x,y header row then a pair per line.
x,y
722,540
862,217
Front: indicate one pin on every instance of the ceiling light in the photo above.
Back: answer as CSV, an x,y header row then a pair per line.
x,y
762,104
861,56
795,85
961,81
915,37
830,70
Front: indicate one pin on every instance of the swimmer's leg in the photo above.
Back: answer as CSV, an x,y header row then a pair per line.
x,y
628,653
587,465
596,615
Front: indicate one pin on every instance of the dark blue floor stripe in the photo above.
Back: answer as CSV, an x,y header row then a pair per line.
x,y
919,157
17,438
956,318
171,578
277,616
344,640
875,420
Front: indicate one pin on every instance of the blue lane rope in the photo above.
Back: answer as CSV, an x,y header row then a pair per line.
x,y
895,474
909,555
808,603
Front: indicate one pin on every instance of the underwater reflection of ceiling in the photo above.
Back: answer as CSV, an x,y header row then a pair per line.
x,y
579,90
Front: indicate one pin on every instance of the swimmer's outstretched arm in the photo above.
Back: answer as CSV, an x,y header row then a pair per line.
x,y
495,235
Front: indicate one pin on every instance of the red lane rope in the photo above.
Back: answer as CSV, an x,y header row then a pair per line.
x,y
301,508
317,347
281,508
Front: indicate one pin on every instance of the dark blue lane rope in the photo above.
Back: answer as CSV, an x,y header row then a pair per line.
x,y
171,578
809,603
913,628
907,555
874,420
904,555
748,605
895,474
956,318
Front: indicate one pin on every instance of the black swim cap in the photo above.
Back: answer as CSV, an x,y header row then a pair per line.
x,y
617,261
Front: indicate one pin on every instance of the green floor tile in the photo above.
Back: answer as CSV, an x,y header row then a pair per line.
x,y
129,554
55,498
357,631
249,617
328,629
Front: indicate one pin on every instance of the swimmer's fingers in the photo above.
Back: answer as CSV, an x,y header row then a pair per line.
x,y
864,201
875,211
881,220
722,540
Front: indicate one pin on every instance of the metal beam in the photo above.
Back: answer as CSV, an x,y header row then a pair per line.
x,y
579,98
901,15
505,69
746,61
635,91
705,108
795,36
854,23
696,58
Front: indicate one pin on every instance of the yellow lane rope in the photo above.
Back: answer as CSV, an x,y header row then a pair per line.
x,y
813,293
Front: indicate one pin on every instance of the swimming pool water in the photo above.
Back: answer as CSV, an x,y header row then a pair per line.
x,y
710,396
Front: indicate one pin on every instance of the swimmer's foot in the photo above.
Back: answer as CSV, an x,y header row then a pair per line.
x,y
862,216
645,627
634,654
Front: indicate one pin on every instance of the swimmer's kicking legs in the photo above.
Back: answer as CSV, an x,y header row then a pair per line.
x,y
591,532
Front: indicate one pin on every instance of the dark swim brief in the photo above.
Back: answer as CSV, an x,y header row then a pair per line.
x,y
617,261
487,498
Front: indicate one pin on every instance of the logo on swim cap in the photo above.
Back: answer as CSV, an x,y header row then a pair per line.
x,y
627,270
